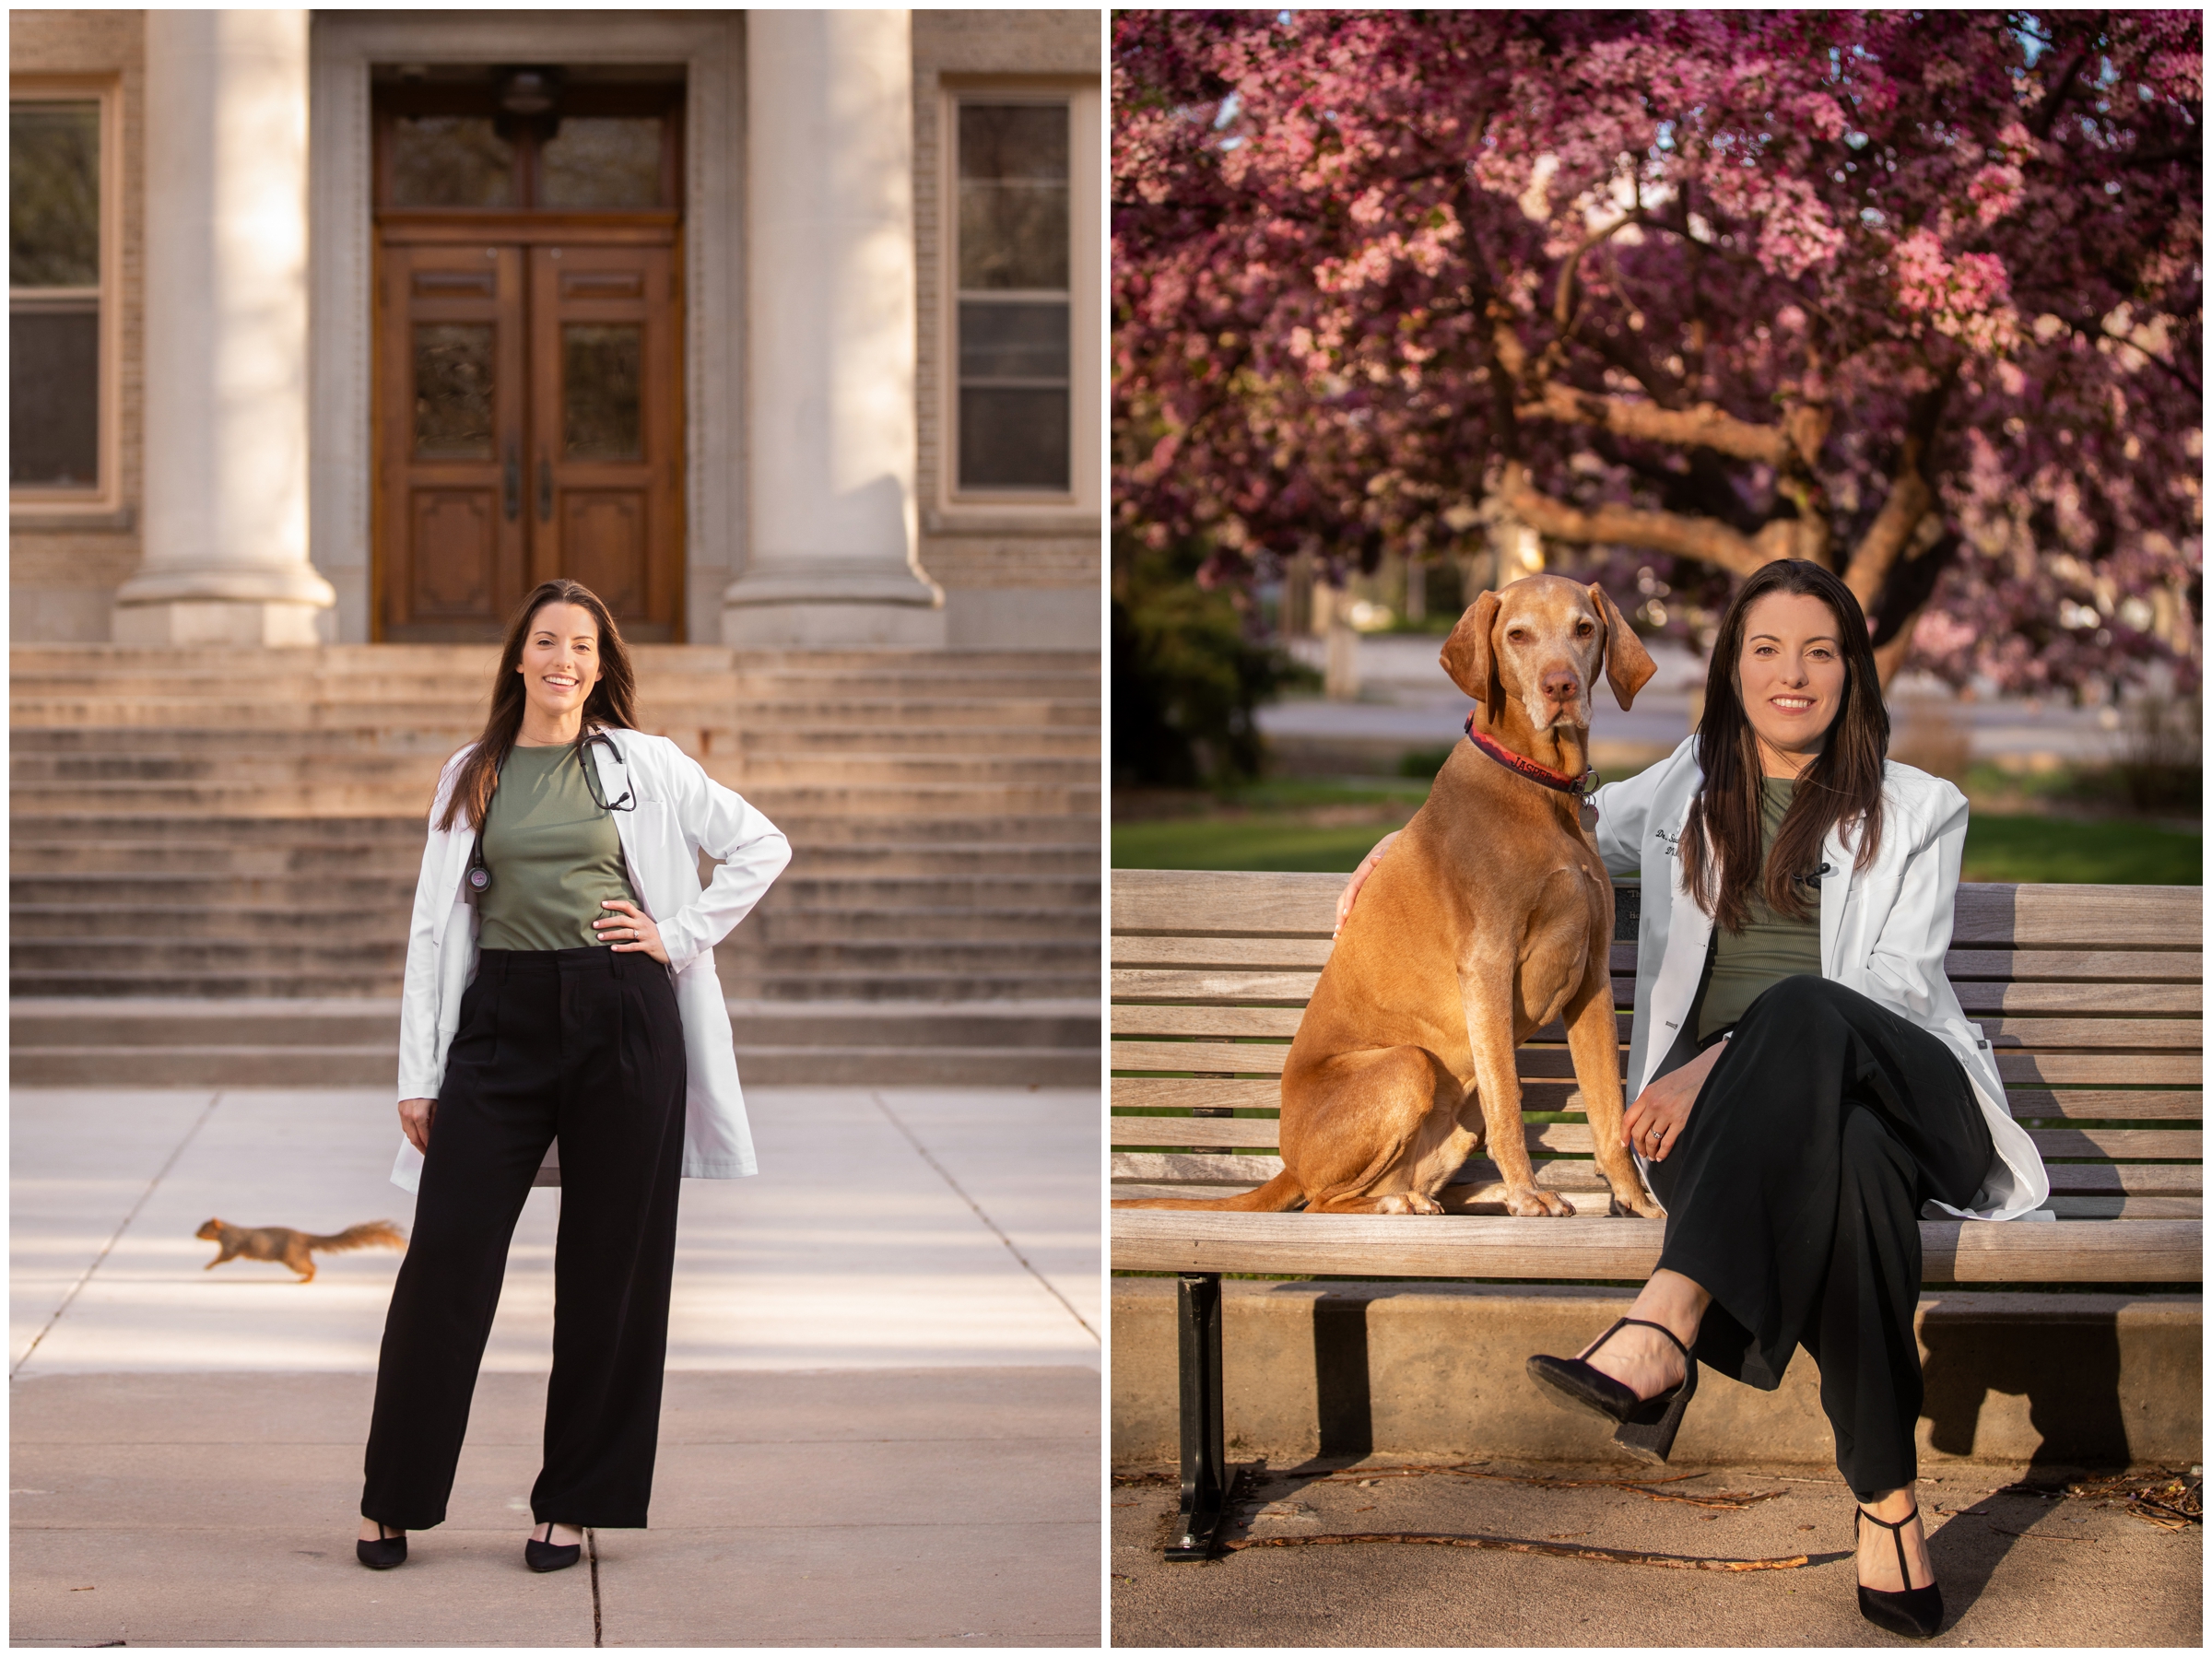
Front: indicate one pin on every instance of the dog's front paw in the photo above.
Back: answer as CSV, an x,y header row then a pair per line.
x,y
1531,1204
1407,1202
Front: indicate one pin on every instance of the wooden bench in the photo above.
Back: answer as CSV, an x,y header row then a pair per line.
x,y
2092,995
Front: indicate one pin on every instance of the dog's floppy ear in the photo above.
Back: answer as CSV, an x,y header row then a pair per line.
x,y
1466,656
1628,666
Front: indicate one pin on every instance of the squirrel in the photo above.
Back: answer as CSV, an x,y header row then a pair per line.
x,y
282,1243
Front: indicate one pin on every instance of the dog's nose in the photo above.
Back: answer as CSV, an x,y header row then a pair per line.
x,y
1561,685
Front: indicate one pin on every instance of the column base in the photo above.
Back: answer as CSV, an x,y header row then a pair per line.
x,y
833,605
187,621
798,625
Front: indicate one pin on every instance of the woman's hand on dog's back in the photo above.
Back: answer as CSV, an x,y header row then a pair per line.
x,y
1359,880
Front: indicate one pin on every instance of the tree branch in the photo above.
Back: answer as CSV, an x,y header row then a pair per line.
x,y
1704,538
2046,114
1911,498
1704,425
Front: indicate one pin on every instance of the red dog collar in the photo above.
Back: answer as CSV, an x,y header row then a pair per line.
x,y
1578,786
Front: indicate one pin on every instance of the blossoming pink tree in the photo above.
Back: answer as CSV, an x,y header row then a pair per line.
x,y
1916,294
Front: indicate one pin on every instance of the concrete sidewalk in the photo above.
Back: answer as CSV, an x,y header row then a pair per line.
x,y
881,1424
2017,1569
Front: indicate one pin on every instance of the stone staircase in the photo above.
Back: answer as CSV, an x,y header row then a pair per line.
x,y
213,856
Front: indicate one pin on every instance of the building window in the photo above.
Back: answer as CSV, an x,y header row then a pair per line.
x,y
1013,297
61,259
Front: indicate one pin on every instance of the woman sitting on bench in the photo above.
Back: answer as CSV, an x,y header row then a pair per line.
x,y
1804,1083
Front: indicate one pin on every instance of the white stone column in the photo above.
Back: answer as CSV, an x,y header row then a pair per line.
x,y
830,335
225,513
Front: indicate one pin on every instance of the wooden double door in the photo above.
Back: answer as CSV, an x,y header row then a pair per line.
x,y
529,426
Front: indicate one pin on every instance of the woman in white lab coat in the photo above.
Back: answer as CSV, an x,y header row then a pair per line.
x,y
560,985
1803,1081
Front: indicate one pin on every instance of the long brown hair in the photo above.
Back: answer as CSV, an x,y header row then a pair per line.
x,y
613,700
1843,781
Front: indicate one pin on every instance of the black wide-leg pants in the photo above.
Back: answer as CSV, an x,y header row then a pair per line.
x,y
587,1044
1794,1195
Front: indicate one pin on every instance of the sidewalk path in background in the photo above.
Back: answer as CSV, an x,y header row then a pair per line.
x,y
1405,697
882,1416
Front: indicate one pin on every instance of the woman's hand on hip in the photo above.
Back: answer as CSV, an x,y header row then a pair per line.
x,y
1655,1121
630,928
415,1122
1345,898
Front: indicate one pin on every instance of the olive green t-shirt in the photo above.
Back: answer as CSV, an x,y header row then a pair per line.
x,y
553,854
1770,947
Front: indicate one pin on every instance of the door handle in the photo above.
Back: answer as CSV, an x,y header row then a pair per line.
x,y
512,481
544,490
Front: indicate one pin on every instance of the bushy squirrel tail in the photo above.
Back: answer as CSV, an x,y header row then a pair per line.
x,y
376,1234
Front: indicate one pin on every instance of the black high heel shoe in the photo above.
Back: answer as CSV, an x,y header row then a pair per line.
x,y
1647,1426
546,1555
1916,1613
384,1552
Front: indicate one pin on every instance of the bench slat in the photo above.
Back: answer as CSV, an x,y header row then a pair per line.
x,y
1282,1023
1270,1022
2128,1208
1546,1063
1158,1093
1455,1246
1225,986
1222,1175
1247,905
2183,967
1552,1176
2177,969
2102,1070
1168,1171
1260,1133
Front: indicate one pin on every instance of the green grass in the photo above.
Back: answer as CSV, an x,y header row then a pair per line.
x,y
2115,851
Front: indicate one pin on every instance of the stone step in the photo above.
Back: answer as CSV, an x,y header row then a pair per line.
x,y
402,859
799,974
345,745
418,773
116,955
391,686
793,923
845,835
1070,798
371,1067
370,935
31,659
719,724
355,900
35,1022
744,968
980,981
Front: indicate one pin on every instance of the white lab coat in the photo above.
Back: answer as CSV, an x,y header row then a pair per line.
x,y
1883,932
680,812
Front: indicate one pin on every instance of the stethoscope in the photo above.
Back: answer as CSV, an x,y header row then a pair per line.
x,y
479,876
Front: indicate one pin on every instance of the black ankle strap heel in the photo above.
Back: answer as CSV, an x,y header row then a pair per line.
x,y
548,1555
384,1552
1647,1426
1916,1613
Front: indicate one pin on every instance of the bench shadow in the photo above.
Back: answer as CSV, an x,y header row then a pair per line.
x,y
2072,1393
1344,1403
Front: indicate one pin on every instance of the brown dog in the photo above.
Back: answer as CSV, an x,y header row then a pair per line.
x,y
1490,917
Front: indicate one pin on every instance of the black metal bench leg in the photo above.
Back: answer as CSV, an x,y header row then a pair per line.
x,y
1205,1478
